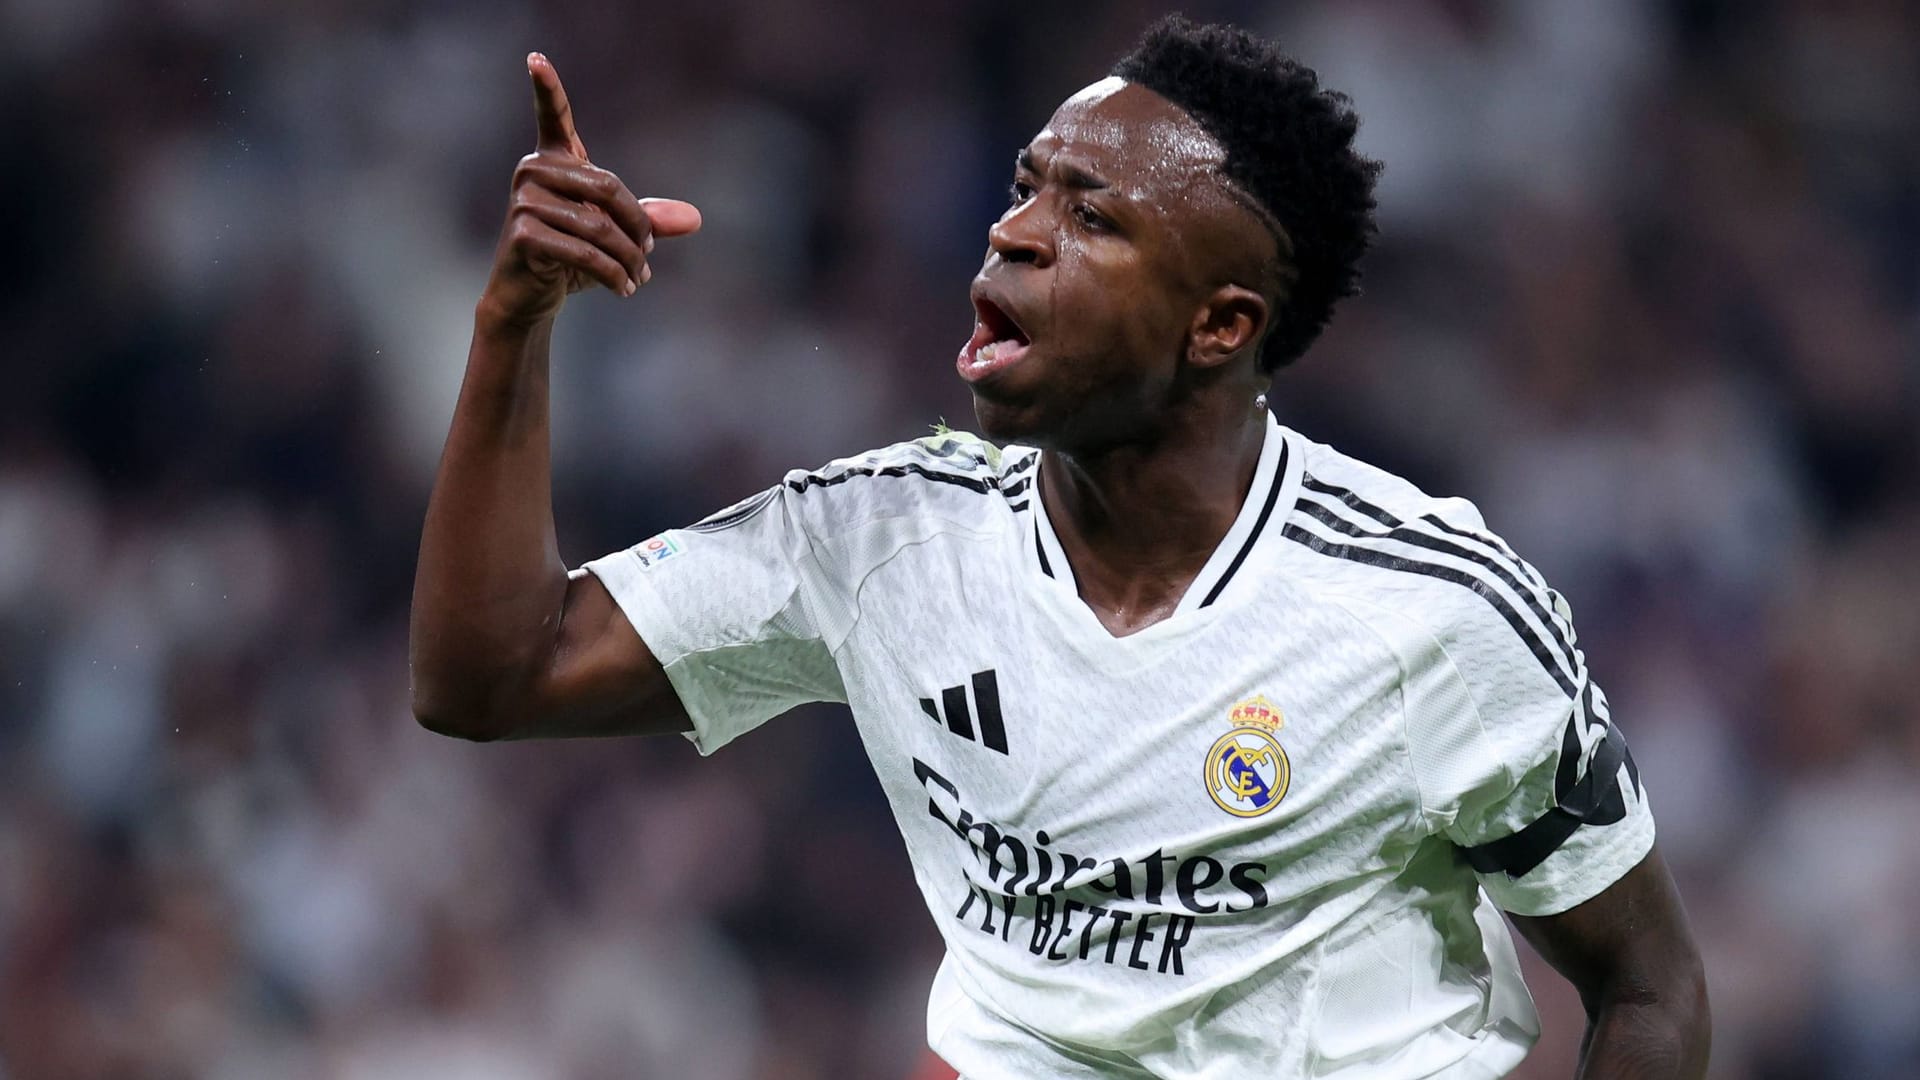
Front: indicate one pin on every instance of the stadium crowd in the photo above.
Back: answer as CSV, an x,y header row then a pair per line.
x,y
1648,291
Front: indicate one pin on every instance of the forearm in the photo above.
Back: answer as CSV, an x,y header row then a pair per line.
x,y
490,583
492,655
1664,1038
1631,955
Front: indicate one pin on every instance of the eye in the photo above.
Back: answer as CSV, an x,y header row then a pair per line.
x,y
1089,217
1018,192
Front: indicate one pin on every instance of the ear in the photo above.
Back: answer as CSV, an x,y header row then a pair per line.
x,y
1229,324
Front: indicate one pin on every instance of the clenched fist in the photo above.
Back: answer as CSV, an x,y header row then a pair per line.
x,y
571,224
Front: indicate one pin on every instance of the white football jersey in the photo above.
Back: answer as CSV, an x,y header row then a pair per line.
x,y
1266,836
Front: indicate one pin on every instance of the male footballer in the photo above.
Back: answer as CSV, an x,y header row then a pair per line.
x,y
1217,753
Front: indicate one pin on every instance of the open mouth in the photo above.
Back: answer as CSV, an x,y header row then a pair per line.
x,y
997,343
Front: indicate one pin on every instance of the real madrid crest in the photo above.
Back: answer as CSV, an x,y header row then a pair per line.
x,y
1247,771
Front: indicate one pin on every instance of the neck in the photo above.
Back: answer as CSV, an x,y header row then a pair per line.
x,y
1138,522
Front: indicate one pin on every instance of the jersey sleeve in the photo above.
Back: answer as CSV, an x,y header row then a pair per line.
x,y
1516,754
739,610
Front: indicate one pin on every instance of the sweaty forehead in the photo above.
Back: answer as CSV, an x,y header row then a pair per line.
x,y
1133,136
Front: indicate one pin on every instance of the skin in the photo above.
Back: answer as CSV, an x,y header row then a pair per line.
x,y
503,644
1631,955
1138,276
1144,283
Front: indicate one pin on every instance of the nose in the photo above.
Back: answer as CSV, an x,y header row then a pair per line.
x,y
1023,234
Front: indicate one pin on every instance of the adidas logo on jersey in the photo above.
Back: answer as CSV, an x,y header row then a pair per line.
x,y
957,712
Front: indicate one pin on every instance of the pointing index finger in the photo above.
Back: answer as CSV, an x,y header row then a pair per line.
x,y
552,111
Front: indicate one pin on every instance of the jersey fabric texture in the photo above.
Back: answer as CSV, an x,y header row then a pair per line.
x,y
1268,835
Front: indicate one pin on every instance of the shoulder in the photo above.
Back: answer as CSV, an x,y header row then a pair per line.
x,y
1374,494
1426,571
950,474
948,457
857,511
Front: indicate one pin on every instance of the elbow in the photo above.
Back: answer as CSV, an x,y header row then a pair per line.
x,y
1682,996
1689,1023
456,716
1670,1008
463,694
456,725
1695,1012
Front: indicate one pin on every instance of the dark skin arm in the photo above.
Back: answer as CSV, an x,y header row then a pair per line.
x,y
502,643
1630,954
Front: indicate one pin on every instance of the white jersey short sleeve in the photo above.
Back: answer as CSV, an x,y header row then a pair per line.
x,y
1511,742
1518,757
746,608
1262,837
738,611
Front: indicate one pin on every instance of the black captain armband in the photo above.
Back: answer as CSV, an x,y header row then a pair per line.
x,y
1590,797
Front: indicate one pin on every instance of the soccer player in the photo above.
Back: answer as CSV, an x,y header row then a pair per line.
x,y
1216,752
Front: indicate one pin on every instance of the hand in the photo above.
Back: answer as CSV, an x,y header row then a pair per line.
x,y
571,224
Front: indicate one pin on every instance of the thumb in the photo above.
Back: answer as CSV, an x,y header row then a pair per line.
x,y
671,217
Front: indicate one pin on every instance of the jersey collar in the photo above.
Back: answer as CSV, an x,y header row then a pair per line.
x,y
1276,482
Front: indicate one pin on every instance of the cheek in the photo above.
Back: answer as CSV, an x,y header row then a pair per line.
x,y
1117,310
1098,292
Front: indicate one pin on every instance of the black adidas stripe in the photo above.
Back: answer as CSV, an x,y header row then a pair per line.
x,y
1040,547
1010,486
1314,483
1485,591
1415,537
986,694
953,700
1259,526
727,519
978,484
1355,502
1591,710
950,447
1526,569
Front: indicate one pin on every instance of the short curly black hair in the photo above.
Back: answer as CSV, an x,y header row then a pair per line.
x,y
1289,145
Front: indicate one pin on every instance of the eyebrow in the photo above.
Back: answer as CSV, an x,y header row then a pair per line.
x,y
1070,174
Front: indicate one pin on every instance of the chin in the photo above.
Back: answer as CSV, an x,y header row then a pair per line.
x,y
1005,422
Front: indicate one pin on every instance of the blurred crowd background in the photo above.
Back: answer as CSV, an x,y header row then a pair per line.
x,y
1648,290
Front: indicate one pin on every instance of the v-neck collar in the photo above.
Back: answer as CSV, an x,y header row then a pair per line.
x,y
1276,480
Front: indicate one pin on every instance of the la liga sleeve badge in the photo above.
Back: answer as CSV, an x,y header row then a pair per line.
x,y
1247,771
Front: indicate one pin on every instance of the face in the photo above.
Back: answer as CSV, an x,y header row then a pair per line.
x,y
1119,235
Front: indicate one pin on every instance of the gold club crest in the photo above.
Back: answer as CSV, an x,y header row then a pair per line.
x,y
1247,772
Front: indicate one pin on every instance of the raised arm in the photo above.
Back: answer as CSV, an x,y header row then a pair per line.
x,y
1630,954
503,644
